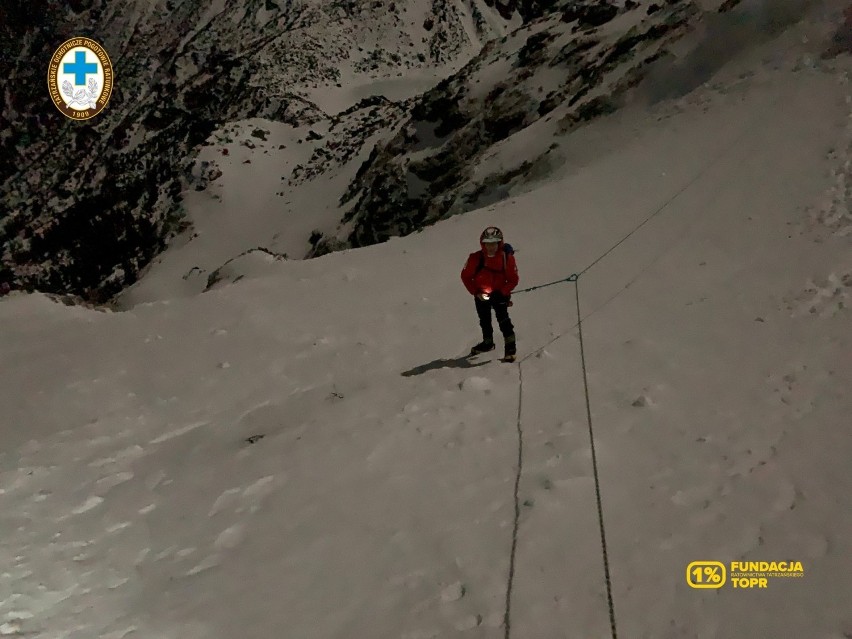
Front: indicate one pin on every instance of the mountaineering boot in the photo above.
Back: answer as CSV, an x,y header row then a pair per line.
x,y
483,347
510,350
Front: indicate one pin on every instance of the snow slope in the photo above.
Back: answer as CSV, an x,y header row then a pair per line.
x,y
300,454
263,185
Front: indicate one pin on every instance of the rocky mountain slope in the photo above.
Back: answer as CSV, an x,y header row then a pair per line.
x,y
87,205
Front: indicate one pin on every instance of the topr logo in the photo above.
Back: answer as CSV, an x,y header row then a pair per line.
x,y
743,574
80,78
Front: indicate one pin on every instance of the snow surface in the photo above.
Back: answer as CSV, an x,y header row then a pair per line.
x,y
248,206
376,496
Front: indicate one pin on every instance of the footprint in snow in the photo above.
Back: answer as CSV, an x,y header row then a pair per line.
x,y
230,537
209,562
177,432
226,500
453,592
235,500
92,502
124,456
469,623
105,484
482,384
260,489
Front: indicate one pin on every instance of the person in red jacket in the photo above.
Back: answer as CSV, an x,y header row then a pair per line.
x,y
490,275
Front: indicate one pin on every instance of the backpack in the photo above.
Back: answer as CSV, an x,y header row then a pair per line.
x,y
507,250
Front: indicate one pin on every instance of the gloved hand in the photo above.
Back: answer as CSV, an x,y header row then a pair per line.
x,y
482,296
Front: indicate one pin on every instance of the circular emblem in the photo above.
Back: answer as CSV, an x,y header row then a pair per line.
x,y
80,78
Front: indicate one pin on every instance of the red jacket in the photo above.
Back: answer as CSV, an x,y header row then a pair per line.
x,y
493,276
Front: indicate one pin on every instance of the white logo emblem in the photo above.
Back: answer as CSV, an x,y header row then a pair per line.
x,y
80,78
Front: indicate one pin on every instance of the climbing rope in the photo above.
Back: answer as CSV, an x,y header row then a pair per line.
x,y
575,277
607,577
571,278
507,622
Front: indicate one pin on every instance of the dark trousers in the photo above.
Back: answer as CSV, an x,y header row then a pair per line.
x,y
501,311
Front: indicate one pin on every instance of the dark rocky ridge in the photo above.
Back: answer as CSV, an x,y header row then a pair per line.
x,y
86,205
